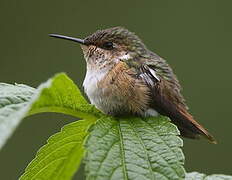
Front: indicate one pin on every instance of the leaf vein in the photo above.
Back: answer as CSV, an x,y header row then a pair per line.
x,y
122,152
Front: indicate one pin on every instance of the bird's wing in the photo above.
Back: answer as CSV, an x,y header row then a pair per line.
x,y
167,99
164,71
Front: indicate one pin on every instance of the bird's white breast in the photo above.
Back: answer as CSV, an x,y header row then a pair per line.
x,y
90,84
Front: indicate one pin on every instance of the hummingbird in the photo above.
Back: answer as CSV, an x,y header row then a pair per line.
x,y
123,77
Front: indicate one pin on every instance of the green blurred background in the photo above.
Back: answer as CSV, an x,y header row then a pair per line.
x,y
193,35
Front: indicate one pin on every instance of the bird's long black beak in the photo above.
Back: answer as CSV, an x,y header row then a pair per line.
x,y
81,41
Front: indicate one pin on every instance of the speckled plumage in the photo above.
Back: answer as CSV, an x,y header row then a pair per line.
x,y
124,77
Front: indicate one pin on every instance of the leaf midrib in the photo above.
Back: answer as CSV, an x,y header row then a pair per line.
x,y
121,145
63,110
145,150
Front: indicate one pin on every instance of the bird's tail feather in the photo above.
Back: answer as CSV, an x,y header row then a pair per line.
x,y
189,127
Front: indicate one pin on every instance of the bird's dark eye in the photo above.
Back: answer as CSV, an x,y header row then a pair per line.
x,y
108,45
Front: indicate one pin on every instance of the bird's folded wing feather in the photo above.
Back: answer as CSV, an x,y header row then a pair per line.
x,y
168,101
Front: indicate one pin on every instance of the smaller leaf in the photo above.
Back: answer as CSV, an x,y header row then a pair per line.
x,y
61,156
200,176
60,94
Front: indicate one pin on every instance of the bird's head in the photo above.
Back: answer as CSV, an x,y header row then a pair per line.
x,y
105,48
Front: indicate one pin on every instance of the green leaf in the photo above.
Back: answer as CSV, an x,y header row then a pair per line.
x,y
59,94
134,148
13,98
200,176
61,156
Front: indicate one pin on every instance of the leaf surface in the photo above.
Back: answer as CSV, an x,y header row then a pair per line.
x,y
134,148
61,156
200,176
13,98
60,94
